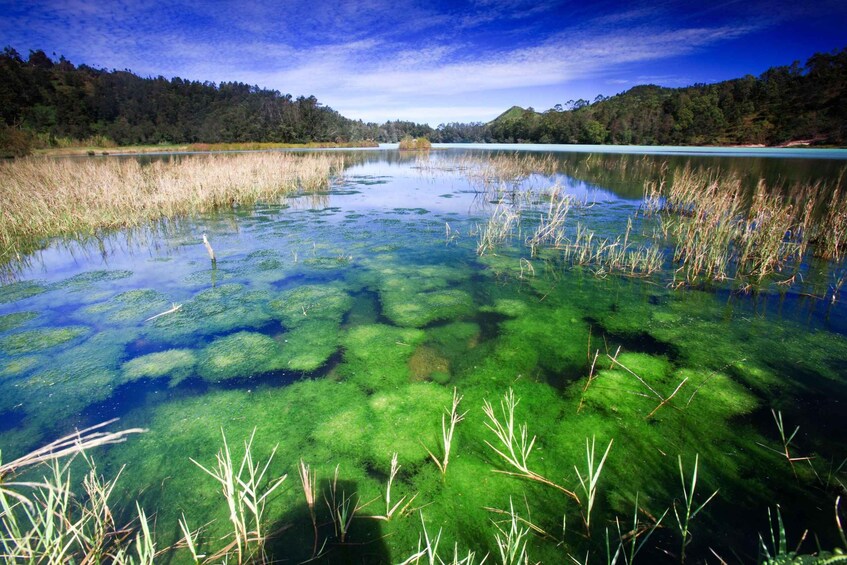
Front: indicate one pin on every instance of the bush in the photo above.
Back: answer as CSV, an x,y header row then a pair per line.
x,y
14,142
419,144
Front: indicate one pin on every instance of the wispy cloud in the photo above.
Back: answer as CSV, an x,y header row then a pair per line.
x,y
375,58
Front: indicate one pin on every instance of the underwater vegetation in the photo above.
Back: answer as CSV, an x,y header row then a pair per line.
x,y
240,355
350,381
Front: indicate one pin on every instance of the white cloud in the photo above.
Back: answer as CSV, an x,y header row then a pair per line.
x,y
396,56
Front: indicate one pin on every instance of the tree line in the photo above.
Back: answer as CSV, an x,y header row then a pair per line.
x,y
43,101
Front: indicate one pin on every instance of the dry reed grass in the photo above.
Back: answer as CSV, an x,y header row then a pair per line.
x,y
44,198
722,232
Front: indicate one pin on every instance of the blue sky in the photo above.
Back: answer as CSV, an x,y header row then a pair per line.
x,y
431,61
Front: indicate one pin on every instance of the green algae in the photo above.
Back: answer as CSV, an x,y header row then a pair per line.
x,y
403,420
176,364
240,355
72,379
17,366
309,345
311,302
20,290
130,307
32,341
376,356
426,361
216,310
416,309
84,281
15,319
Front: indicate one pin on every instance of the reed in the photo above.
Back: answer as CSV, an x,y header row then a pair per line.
x,y
308,481
245,490
628,543
511,541
342,509
500,228
447,431
786,441
43,521
721,232
427,552
49,197
590,480
689,511
515,445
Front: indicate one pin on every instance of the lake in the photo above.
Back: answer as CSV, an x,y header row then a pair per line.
x,y
338,324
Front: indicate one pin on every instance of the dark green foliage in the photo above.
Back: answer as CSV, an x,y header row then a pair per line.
x,y
783,104
47,100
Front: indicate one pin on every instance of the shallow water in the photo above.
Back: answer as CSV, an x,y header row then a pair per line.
x,y
339,324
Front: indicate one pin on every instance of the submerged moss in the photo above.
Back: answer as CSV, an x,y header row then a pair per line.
x,y
376,356
309,345
177,364
32,341
17,366
241,355
133,306
213,311
85,280
20,290
311,302
15,319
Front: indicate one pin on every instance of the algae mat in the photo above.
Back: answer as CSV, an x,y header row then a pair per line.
x,y
339,325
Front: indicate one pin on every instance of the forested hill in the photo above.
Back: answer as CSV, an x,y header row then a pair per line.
x,y
45,102
784,104
48,100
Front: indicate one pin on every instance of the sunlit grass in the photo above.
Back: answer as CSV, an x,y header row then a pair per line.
x,y
44,198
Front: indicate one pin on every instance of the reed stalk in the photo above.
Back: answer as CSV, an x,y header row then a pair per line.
x,y
515,445
689,511
308,482
590,480
447,431
245,490
50,197
342,509
512,541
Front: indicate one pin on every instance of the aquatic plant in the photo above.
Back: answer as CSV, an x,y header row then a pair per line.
x,y
417,310
212,311
511,542
240,355
376,356
512,449
33,341
428,551
414,144
309,345
447,432
55,196
20,290
177,364
133,306
342,508
245,489
84,281
689,512
41,520
306,303
589,481
15,319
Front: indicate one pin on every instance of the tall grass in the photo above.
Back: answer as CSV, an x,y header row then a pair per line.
x,y
721,231
245,489
48,197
